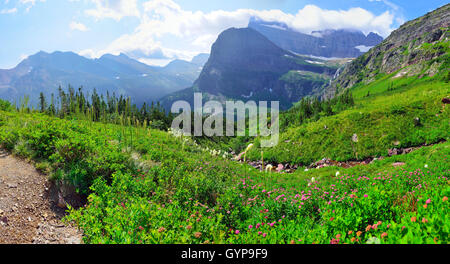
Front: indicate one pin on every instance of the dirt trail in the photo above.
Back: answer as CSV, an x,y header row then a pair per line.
x,y
27,214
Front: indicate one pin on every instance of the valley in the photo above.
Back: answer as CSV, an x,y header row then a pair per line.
x,y
363,152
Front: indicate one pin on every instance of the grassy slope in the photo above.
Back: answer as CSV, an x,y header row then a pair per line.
x,y
168,190
383,120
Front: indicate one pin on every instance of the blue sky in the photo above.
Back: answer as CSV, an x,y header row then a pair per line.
x,y
157,31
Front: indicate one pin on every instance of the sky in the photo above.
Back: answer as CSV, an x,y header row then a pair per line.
x,y
158,31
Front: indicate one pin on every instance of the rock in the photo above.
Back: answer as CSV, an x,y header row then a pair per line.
x,y
397,164
4,219
61,203
355,138
11,186
392,152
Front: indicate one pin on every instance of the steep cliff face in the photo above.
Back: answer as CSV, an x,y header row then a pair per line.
x,y
245,65
418,48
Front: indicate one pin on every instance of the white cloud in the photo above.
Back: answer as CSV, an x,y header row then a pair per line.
x,y
115,9
196,31
8,11
78,26
30,3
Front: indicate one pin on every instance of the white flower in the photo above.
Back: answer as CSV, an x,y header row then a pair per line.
x,y
313,179
337,173
269,167
426,166
306,169
249,147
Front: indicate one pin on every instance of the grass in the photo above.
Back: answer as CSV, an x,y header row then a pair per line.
x,y
383,120
167,189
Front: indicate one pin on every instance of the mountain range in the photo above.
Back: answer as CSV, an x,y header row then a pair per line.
x,y
245,65
45,72
265,61
343,43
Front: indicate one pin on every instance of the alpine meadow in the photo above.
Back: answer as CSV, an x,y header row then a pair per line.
x,y
362,157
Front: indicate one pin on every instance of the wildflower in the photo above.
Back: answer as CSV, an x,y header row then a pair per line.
x,y
250,227
338,236
428,201
350,232
426,166
269,168
384,235
365,195
264,235
373,240
141,228
445,199
197,234
368,228
237,232
249,147
424,220
413,219
161,229
292,242
189,227
353,239
334,241
337,173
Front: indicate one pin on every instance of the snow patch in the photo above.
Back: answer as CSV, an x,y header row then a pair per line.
x,y
314,62
274,26
364,48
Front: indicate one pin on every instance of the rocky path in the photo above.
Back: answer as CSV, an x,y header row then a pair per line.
x,y
27,214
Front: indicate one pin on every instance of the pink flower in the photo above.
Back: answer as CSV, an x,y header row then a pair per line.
x,y
264,235
428,201
237,232
250,227
365,195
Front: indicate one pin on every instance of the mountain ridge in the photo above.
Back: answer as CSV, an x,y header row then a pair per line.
x,y
341,43
45,72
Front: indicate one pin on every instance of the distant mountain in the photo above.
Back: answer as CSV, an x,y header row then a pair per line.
x,y
44,72
328,43
418,48
188,71
245,65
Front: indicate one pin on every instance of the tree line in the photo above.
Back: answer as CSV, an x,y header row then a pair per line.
x,y
98,108
313,109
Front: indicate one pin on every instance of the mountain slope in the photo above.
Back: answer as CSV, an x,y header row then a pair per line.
x,y
419,48
245,65
328,43
44,72
400,101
